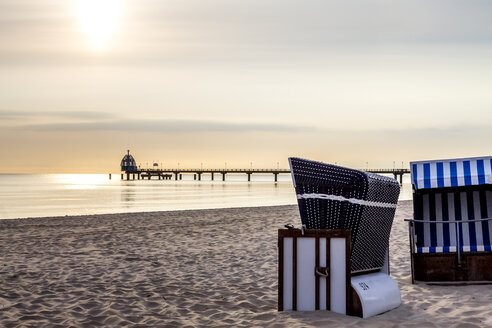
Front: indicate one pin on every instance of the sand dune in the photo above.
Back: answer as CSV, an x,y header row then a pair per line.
x,y
189,268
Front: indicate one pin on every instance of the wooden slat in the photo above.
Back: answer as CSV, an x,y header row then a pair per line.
x,y
348,281
294,275
328,267
412,247
316,276
356,305
443,267
280,273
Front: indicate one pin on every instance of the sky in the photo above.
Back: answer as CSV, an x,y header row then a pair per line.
x,y
249,83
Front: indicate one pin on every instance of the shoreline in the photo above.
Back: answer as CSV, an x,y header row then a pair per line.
x,y
195,268
143,212
155,212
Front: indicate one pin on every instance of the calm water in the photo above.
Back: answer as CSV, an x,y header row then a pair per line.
x,y
41,195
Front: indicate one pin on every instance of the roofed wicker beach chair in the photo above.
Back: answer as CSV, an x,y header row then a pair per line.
x,y
338,203
450,234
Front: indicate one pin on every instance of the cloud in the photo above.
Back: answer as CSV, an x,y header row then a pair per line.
x,y
86,115
165,126
441,132
159,32
86,121
447,133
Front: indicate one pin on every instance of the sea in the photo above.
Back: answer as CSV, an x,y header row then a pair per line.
x,y
43,195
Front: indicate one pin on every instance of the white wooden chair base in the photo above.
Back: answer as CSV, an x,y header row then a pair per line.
x,y
314,274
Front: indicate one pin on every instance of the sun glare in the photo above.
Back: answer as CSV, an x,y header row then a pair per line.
x,y
98,19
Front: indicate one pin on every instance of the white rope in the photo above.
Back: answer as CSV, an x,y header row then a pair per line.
x,y
343,199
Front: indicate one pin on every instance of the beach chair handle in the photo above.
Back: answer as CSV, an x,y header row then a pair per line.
x,y
289,226
321,272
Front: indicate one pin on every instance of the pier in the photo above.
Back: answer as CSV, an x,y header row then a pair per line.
x,y
132,171
177,174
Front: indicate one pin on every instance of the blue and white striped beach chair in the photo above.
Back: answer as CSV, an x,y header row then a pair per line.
x,y
451,232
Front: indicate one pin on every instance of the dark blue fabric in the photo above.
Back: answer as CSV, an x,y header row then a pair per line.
x,y
457,215
415,174
445,217
481,171
467,173
427,175
432,217
484,214
454,174
418,211
471,216
440,174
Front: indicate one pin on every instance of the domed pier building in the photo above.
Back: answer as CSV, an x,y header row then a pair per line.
x,y
129,167
128,164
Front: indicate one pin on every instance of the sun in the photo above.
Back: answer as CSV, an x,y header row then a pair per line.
x,y
99,19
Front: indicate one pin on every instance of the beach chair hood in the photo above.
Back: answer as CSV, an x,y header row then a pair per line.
x,y
335,197
451,172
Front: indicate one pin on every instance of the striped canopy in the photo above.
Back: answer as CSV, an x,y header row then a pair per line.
x,y
451,172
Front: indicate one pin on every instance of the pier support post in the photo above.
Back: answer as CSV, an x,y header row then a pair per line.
x,y
133,176
138,176
194,176
200,176
109,176
276,175
180,177
176,176
148,177
122,176
249,176
212,176
128,176
223,176
399,175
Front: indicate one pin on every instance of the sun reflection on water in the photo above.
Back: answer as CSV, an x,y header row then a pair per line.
x,y
81,181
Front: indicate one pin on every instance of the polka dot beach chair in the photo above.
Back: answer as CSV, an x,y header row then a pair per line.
x,y
451,231
339,260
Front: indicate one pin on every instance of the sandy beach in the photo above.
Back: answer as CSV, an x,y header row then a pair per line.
x,y
200,268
